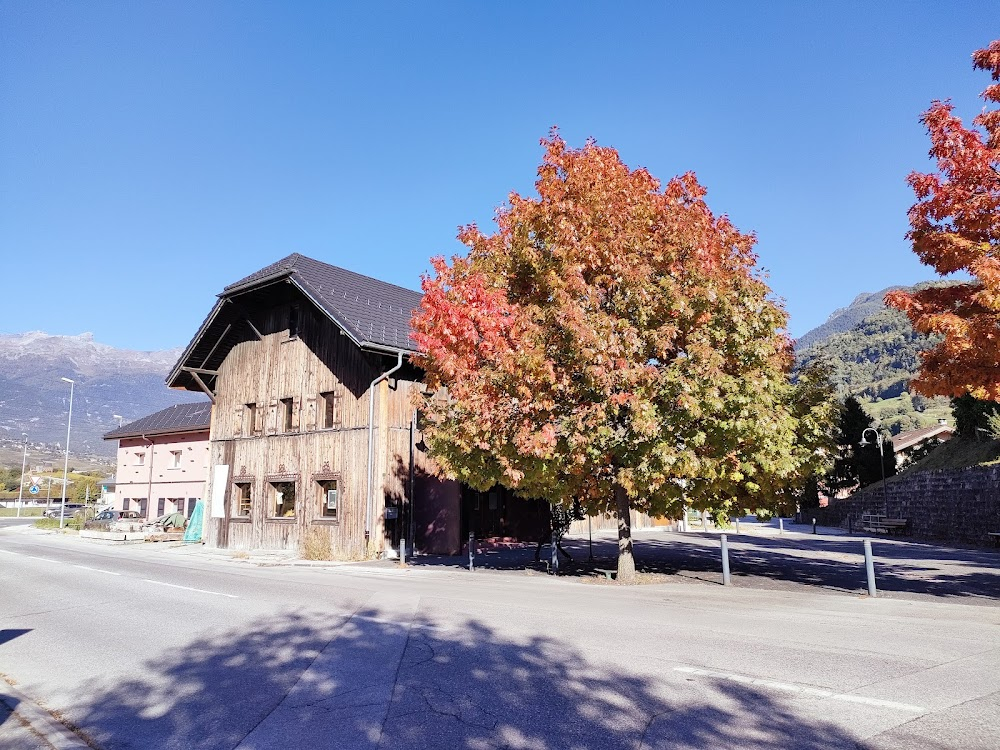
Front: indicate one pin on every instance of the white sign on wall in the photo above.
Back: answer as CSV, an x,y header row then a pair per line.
x,y
220,480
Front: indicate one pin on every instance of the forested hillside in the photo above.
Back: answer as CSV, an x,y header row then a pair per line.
x,y
874,360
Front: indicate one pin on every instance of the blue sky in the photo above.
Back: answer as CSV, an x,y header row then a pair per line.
x,y
151,153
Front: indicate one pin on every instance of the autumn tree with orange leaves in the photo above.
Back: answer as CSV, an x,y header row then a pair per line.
x,y
613,343
955,226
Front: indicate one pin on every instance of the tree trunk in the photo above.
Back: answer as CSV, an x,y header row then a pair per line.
x,y
626,562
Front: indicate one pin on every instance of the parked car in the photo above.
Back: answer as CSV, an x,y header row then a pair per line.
x,y
71,510
104,519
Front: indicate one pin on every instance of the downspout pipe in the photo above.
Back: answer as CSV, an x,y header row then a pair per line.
x,y
149,483
369,512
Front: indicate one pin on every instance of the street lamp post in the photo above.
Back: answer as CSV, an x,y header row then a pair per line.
x,y
881,460
24,462
69,422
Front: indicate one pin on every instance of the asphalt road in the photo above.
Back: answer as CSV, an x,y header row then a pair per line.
x,y
140,647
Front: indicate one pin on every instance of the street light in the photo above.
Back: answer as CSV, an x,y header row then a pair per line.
x,y
881,460
69,422
24,462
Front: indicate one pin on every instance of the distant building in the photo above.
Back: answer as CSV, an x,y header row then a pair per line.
x,y
163,461
914,444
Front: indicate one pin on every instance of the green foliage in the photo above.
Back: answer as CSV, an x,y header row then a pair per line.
x,y
10,479
957,453
972,416
857,465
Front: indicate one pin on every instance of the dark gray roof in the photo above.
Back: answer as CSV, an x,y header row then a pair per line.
x,y
374,314
179,418
371,311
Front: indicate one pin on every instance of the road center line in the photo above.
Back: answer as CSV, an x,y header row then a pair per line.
x,y
802,689
98,570
188,588
44,559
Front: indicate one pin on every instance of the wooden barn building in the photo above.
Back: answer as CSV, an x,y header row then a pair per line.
x,y
313,432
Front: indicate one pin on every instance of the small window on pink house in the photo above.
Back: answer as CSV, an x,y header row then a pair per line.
x,y
175,459
140,458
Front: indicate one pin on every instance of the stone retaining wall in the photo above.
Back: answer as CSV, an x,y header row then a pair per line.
x,y
949,505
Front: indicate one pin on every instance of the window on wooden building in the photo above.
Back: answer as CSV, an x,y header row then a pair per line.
x,y
293,321
329,498
287,414
330,403
283,499
253,419
243,499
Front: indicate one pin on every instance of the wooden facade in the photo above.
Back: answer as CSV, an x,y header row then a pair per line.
x,y
289,356
291,415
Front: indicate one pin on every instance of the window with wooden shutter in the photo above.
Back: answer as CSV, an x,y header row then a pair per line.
x,y
330,404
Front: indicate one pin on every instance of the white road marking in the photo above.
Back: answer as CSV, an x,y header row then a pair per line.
x,y
188,588
9,552
44,559
97,570
802,690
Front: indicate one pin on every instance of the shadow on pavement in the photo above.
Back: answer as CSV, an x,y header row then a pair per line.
x,y
464,687
902,568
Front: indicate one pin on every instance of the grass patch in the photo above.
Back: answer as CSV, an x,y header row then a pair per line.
x,y
71,522
25,512
316,545
957,453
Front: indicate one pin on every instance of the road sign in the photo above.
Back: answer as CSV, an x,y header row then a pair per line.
x,y
33,489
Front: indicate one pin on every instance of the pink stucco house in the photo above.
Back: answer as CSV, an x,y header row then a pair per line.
x,y
163,460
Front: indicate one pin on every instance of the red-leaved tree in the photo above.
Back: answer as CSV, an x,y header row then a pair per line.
x,y
612,343
955,226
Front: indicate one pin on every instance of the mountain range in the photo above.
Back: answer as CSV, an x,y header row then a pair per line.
x,y
108,381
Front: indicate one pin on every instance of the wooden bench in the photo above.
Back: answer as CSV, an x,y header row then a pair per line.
x,y
878,524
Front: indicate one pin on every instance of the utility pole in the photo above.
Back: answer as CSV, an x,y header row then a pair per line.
x,y
20,489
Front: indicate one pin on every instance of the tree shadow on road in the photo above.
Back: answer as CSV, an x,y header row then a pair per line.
x,y
288,682
762,562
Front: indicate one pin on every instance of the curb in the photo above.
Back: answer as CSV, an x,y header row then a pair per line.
x,y
39,720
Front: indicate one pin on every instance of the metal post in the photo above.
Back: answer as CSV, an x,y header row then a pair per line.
x,y
20,490
554,539
402,550
472,551
69,422
726,580
590,538
814,526
850,524
869,567
737,527
781,525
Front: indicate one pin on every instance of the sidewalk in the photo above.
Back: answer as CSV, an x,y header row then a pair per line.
x,y
26,726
